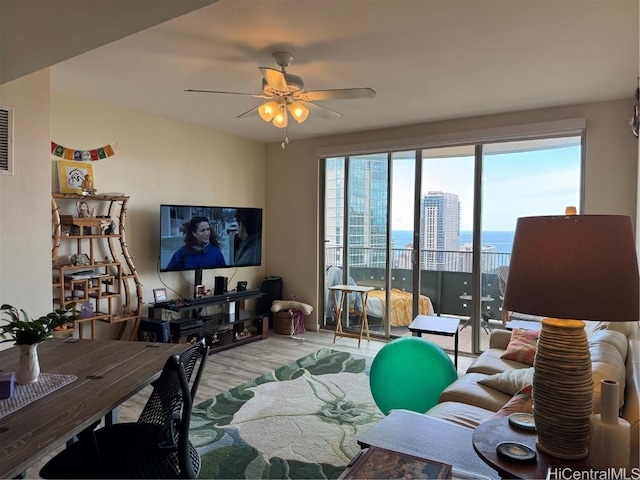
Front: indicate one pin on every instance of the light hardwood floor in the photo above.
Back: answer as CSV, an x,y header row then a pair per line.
x,y
232,367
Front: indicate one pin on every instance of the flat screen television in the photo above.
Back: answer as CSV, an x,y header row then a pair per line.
x,y
201,237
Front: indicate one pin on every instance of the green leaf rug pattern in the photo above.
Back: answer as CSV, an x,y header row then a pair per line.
x,y
301,420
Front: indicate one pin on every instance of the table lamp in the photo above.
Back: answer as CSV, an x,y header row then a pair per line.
x,y
570,268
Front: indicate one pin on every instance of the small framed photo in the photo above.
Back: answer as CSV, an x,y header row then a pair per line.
x,y
84,209
160,295
71,175
200,290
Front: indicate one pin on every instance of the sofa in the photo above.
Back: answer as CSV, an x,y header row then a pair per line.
x,y
497,386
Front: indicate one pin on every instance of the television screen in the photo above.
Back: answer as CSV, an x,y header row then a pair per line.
x,y
199,237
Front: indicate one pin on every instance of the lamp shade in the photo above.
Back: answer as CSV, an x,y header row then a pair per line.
x,y
281,119
574,267
298,111
267,111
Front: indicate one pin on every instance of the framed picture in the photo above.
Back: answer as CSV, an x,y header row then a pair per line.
x,y
200,290
84,209
71,175
160,295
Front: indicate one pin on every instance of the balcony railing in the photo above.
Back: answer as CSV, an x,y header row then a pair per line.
x,y
438,260
445,276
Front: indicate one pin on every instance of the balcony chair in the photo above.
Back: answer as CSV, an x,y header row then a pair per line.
x,y
156,446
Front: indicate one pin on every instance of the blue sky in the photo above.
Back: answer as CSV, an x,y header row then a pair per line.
x,y
537,182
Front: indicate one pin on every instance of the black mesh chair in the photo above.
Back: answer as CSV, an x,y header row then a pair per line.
x,y
156,446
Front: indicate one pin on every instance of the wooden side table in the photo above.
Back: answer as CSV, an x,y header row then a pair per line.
x,y
488,434
438,326
339,307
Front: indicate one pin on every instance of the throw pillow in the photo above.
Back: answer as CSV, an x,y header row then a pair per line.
x,y
521,402
509,382
522,346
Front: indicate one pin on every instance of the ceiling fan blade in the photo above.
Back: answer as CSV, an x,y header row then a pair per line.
x,y
255,95
322,112
253,112
337,94
274,78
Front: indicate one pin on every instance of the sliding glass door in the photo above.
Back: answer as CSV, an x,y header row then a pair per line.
x,y
431,229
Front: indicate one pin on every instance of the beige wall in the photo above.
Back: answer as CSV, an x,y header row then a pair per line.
x,y
611,181
25,200
162,161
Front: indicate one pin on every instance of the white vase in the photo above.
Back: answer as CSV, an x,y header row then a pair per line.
x,y
610,435
28,366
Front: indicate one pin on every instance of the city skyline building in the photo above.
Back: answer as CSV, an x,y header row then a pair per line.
x,y
367,211
439,230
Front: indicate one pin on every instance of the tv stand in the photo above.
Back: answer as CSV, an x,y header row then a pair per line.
x,y
220,330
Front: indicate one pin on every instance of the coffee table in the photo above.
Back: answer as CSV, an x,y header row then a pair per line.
x,y
434,325
428,437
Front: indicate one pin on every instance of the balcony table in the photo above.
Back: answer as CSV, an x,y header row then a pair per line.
x,y
108,373
483,321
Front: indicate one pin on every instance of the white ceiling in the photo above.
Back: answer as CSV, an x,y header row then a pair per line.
x,y
427,59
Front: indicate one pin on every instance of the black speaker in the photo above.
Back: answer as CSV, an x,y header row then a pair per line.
x,y
241,287
220,285
272,290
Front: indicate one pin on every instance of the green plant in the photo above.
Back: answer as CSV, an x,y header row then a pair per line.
x,y
25,331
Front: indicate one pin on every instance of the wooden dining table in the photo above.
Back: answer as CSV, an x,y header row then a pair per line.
x,y
108,373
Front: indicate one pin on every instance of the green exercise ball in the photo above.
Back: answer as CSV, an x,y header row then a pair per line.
x,y
410,373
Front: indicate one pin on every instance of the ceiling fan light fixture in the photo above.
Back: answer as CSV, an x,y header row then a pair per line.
x,y
298,111
281,119
267,111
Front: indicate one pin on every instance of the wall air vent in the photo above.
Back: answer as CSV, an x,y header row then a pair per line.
x,y
6,140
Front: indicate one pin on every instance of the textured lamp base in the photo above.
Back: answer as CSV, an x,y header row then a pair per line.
x,y
563,389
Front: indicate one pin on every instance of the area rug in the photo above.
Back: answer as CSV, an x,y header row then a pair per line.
x,y
299,421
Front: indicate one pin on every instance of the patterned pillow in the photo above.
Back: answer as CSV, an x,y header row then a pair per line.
x,y
522,346
521,402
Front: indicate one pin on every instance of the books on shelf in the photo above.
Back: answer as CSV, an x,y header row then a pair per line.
x,y
377,462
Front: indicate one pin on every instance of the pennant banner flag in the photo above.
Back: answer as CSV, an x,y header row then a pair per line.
x,y
82,155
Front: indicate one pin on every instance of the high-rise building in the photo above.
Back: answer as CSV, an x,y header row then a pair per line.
x,y
367,211
440,231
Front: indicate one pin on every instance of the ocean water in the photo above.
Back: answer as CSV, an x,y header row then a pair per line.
x,y
503,241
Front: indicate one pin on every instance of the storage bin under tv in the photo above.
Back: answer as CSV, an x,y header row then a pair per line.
x,y
221,330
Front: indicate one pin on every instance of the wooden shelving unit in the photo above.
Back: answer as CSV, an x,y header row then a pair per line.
x,y
112,291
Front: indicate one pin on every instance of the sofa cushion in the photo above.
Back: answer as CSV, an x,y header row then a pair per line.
x,y
462,414
522,346
491,362
509,382
592,327
467,390
521,402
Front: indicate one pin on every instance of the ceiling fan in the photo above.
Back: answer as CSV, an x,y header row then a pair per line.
x,y
285,95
